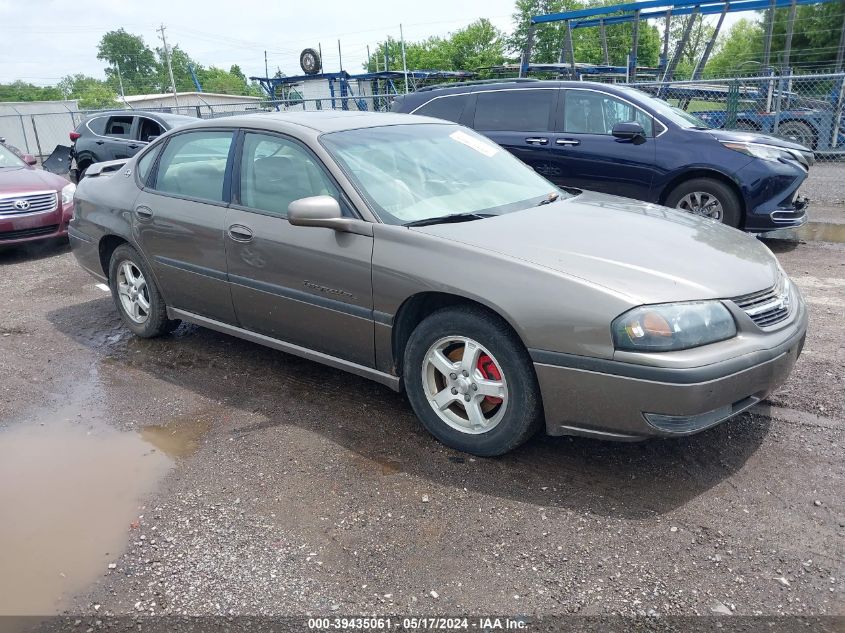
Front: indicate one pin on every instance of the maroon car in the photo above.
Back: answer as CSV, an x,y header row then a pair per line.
x,y
34,204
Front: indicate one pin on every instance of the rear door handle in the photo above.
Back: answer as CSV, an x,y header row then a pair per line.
x,y
133,146
536,140
567,141
240,233
99,142
144,213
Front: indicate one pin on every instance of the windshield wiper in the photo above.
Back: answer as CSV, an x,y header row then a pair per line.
x,y
549,199
449,219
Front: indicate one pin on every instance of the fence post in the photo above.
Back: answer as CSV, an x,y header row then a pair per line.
x,y
837,113
37,140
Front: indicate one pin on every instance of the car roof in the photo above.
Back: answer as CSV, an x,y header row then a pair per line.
x,y
318,122
164,116
432,91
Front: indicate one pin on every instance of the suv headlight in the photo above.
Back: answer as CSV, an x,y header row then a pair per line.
x,y
672,326
67,193
757,150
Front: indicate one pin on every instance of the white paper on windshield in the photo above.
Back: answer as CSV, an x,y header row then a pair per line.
x,y
479,146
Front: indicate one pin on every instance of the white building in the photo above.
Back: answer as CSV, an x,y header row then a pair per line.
x,y
193,103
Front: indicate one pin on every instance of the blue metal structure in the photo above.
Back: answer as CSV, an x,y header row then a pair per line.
x,y
648,9
341,88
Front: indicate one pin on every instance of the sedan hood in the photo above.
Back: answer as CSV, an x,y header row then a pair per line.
x,y
643,251
23,179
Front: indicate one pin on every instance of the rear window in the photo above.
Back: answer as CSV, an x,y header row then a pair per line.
x,y
449,108
514,110
97,125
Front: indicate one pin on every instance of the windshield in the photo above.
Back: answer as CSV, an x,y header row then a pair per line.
x,y
412,173
665,111
8,158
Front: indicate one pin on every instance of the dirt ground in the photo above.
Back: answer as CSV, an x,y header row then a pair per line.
x,y
267,484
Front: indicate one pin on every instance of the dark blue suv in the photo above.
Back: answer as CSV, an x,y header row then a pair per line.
x,y
619,140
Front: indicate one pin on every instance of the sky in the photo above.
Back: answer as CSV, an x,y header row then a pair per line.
x,y
42,41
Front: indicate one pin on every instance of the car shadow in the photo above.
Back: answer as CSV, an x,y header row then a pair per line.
x,y
634,480
30,251
780,245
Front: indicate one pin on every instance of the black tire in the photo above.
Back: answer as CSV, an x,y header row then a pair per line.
x,y
798,132
81,170
522,416
731,206
310,62
747,126
156,322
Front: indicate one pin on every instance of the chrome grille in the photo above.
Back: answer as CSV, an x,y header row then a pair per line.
x,y
767,307
19,204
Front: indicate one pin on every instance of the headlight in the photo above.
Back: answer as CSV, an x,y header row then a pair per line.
x,y
67,193
766,152
672,326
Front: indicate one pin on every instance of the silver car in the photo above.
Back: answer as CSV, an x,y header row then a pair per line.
x,y
419,254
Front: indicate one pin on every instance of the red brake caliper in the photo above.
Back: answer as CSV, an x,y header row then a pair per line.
x,y
490,372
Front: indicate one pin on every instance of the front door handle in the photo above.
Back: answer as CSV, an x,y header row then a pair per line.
x,y
240,233
133,146
99,142
536,140
144,213
567,141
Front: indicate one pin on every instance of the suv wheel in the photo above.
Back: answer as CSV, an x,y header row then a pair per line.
x,y
136,296
709,198
471,382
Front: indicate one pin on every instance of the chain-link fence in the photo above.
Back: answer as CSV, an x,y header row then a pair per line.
x,y
33,131
807,109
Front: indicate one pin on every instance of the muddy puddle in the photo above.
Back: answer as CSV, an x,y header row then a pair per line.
x,y
71,485
810,232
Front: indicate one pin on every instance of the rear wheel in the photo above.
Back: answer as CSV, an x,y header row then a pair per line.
x,y
798,132
471,382
136,296
709,198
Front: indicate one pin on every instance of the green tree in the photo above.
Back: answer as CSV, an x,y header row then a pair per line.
x,y
128,55
738,52
92,93
478,45
181,63
23,91
549,37
691,53
815,37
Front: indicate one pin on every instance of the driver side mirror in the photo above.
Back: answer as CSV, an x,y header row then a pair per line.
x,y
29,159
629,131
324,211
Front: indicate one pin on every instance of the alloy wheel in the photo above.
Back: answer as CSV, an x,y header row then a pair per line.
x,y
703,204
464,384
133,292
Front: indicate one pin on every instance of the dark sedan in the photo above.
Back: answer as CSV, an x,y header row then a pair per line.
x,y
615,139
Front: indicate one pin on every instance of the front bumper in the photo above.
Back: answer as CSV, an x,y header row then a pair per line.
x,y
19,229
585,398
772,200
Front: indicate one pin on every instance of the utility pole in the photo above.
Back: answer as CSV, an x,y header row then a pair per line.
x,y
169,65
339,57
404,64
266,72
120,81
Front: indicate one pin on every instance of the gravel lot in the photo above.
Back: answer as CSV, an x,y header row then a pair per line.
x,y
297,489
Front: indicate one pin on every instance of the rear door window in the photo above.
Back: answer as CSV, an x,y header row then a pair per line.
x,y
193,165
119,126
588,112
448,107
514,110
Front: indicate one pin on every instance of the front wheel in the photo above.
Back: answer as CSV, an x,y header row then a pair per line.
x,y
709,198
136,296
471,382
